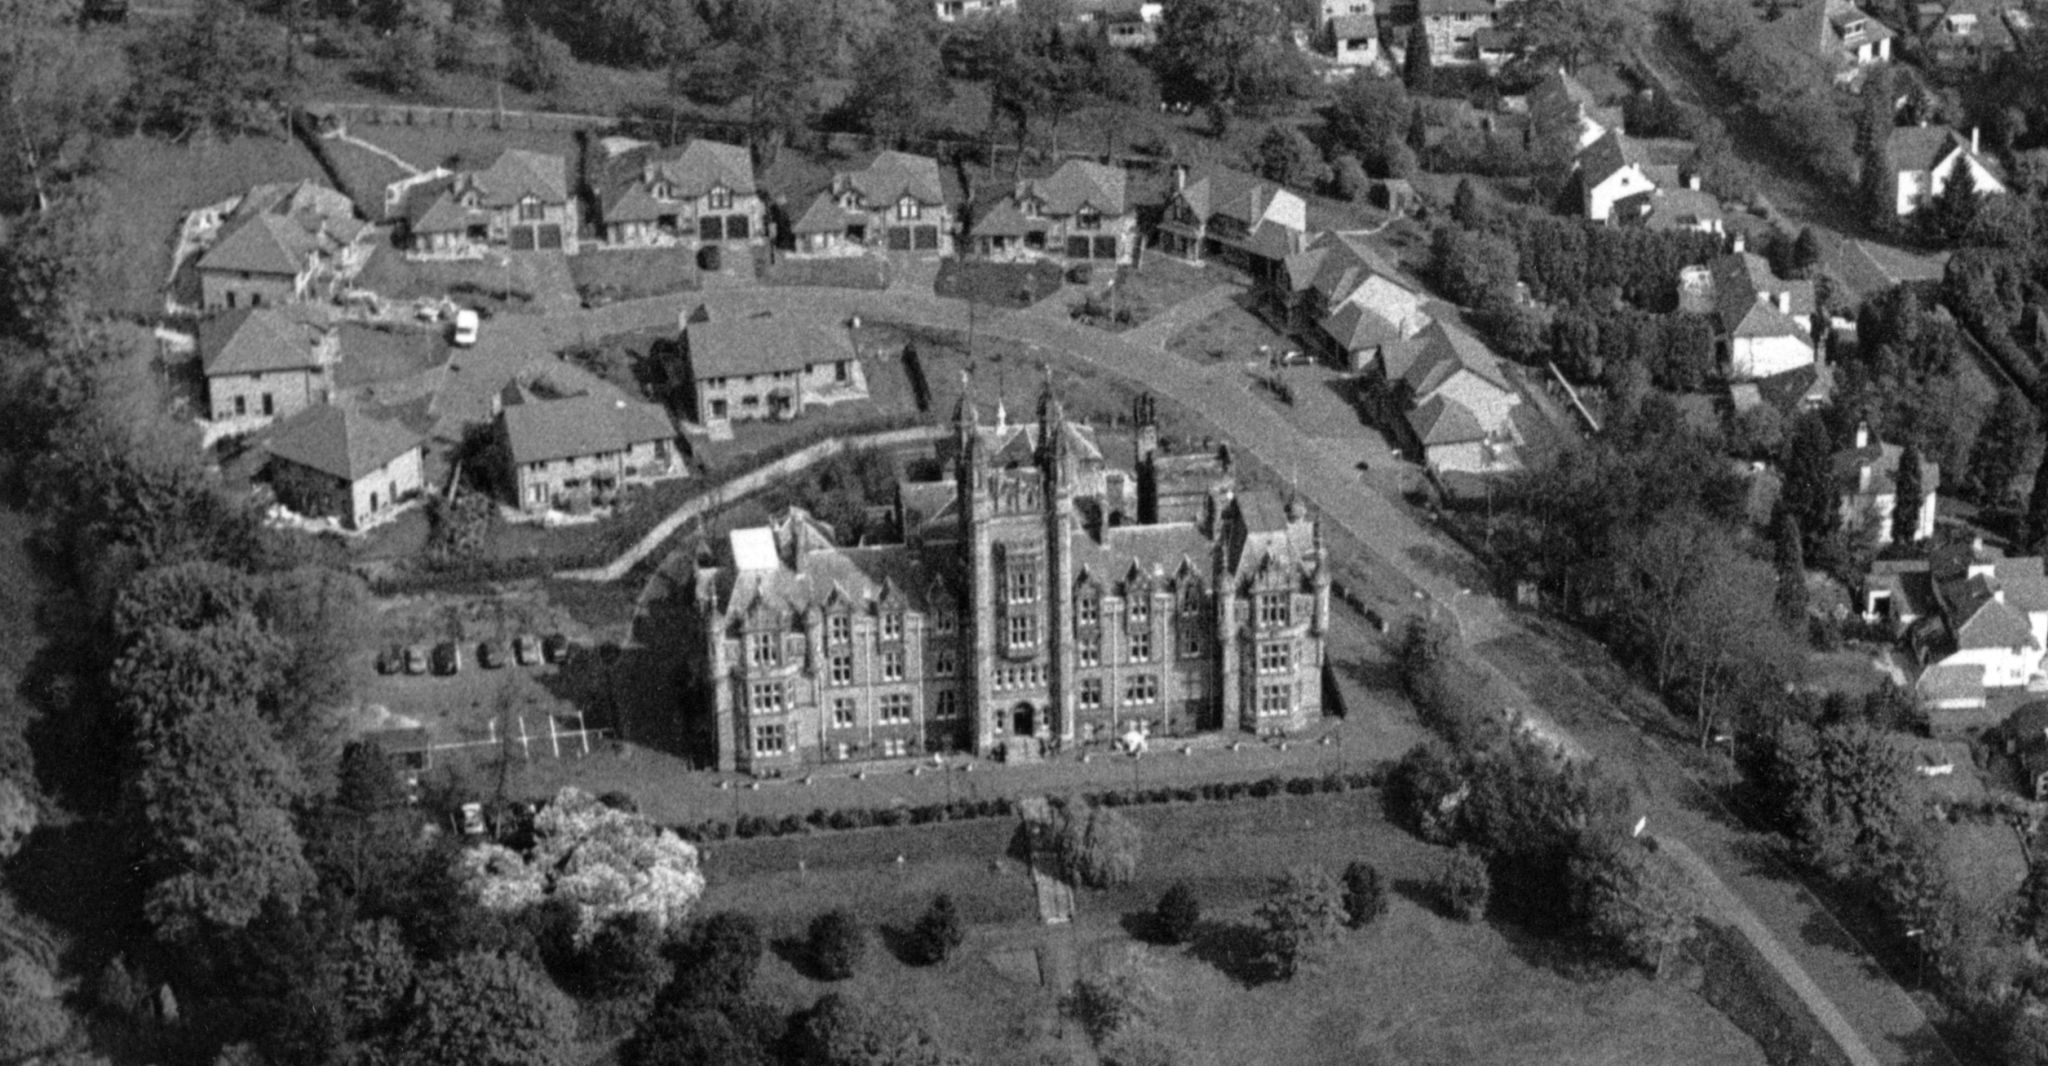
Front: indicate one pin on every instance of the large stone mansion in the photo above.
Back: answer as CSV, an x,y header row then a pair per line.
x,y
1039,600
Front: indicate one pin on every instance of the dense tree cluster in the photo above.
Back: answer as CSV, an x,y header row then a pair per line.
x,y
1787,84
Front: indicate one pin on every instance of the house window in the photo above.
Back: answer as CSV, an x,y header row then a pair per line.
x,y
946,704
1191,643
842,669
1023,585
1275,658
895,747
892,626
1143,688
839,629
892,665
721,198
1090,696
1275,609
1022,630
1089,650
241,405
1141,645
1141,609
530,210
944,663
766,697
845,713
944,623
1088,219
770,739
1274,699
894,709
764,649
907,209
1088,612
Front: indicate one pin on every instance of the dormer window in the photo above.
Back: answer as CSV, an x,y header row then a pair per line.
x,y
1030,208
907,208
662,191
1088,218
721,198
849,202
529,210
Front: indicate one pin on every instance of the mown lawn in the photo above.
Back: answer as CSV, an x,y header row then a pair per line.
x,y
1413,988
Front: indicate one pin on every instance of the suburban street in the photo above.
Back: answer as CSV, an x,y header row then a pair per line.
x,y
1889,1023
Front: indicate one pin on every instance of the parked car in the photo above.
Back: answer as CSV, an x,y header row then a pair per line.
x,y
466,325
472,819
491,654
526,649
390,659
447,658
1081,273
555,648
415,659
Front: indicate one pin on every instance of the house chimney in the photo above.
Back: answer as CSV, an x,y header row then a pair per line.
x,y
1784,301
1180,176
1862,434
1692,181
1736,244
1976,133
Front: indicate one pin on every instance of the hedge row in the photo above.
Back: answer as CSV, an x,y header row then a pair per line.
x,y
821,820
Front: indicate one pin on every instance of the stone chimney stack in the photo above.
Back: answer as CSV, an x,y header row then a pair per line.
x,y
1862,435
1976,139
1784,301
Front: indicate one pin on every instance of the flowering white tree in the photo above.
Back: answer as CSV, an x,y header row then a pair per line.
x,y
605,862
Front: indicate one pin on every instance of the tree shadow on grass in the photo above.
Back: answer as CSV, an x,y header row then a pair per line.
x,y
1142,926
1234,949
795,950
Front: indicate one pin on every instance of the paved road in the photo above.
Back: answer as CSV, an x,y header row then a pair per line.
x,y
1889,1022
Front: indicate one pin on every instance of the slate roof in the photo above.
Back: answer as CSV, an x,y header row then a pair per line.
x,y
1883,461
690,172
276,229
1943,682
1231,193
1352,27
1377,311
1609,155
1433,356
540,430
1738,279
1446,8
1441,420
1076,184
262,339
442,214
764,343
1914,148
1004,219
823,216
1867,268
340,442
705,165
518,173
1669,208
893,175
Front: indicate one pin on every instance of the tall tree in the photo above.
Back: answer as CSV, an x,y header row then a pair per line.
x,y
2037,510
2001,446
1952,213
1367,116
1637,900
489,1010
1301,920
1418,66
842,1031
1909,490
899,85
1574,32
1809,492
1228,55
1790,551
57,266
221,72
1285,155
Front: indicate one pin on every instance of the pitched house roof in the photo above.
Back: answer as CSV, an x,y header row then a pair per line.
x,y
1005,219
442,214
892,176
706,165
1353,27
1608,156
276,229
1441,420
1451,8
1746,298
340,442
517,174
1438,353
541,430
1917,148
1376,311
632,176
1231,193
823,216
1669,208
1865,268
1882,460
1078,183
769,342
263,339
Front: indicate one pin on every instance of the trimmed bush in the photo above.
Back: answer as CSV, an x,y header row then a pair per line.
x,y
1177,914
1365,895
1463,885
837,944
1096,846
937,932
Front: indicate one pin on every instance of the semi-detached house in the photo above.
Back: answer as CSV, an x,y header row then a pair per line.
x,y
281,244
346,464
572,451
522,202
766,366
702,194
267,362
1079,213
896,203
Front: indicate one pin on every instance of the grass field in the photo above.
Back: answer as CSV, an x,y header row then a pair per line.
x,y
991,284
632,273
1414,988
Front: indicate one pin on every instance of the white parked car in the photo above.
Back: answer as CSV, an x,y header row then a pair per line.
x,y
466,324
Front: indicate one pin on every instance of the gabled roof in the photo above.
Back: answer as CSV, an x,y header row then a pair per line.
x,y
541,430
1377,311
1446,8
768,342
442,214
1669,208
1444,352
1951,681
706,165
1916,148
1231,193
1745,298
892,176
1003,219
276,229
1995,625
1078,183
340,442
823,216
517,174
1441,420
1611,154
1352,27
263,339
1883,461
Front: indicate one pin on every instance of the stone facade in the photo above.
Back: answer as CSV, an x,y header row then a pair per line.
x,y
1029,608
